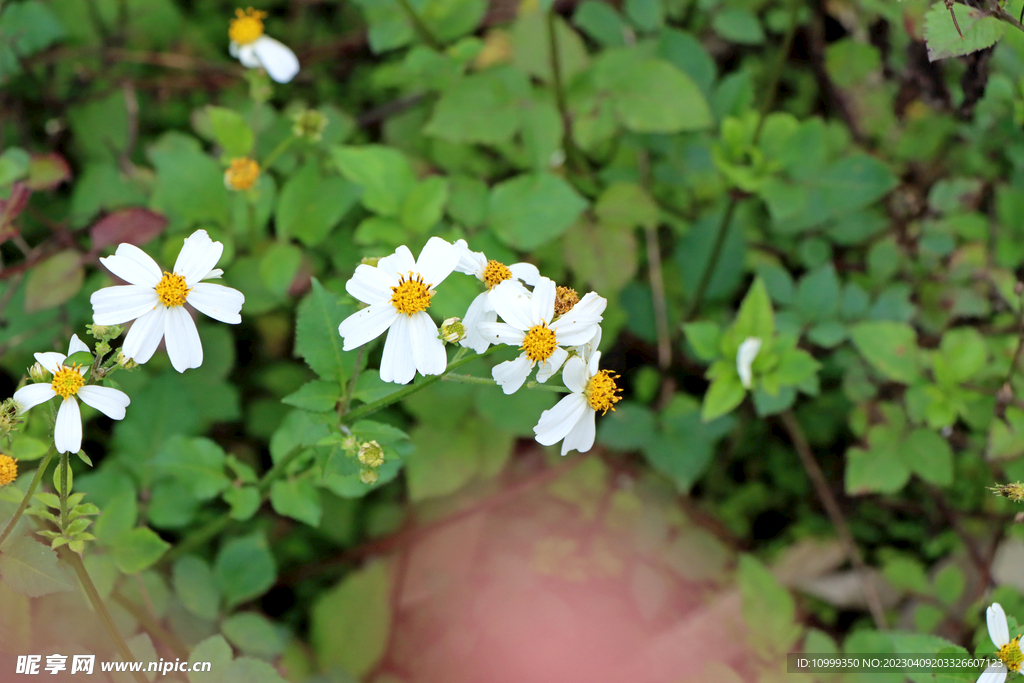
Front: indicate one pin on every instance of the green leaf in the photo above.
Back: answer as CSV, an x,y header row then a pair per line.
x,y
350,623
755,317
231,131
795,366
425,203
929,456
318,396
651,95
14,165
817,296
310,206
630,427
120,513
25,28
249,670
54,281
383,172
878,470
316,334
627,205
890,347
31,569
189,184
531,48
444,460
196,587
725,393
298,499
217,652
685,444
253,634
278,266
244,502
768,609
138,549
940,35
705,338
602,255
532,209
962,355
483,107
738,25
198,463
245,568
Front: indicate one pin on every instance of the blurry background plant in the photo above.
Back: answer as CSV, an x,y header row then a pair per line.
x,y
719,170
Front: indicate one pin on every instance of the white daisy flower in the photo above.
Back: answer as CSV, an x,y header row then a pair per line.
x,y
491,273
573,418
68,381
254,50
531,325
1009,654
398,291
745,358
157,303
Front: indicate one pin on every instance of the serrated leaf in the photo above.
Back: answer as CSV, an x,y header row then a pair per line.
x,y
32,569
318,396
316,334
138,549
940,35
245,568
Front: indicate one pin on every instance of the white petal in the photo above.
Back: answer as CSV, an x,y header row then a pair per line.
x,y
572,333
427,350
470,262
500,333
437,261
397,363
279,61
182,339
556,423
120,304
217,301
552,364
370,285
247,56
588,311
543,301
144,336
233,49
575,375
31,395
67,429
198,255
527,272
110,402
51,360
745,358
133,265
76,345
996,673
399,264
581,438
512,303
214,274
511,374
590,348
366,325
998,631
479,312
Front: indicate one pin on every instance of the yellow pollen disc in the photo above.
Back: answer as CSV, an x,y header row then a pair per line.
x,y
495,273
1011,655
171,290
242,174
539,343
8,469
411,295
247,26
602,392
67,381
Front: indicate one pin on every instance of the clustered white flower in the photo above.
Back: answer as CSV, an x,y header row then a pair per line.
x,y
156,304
550,325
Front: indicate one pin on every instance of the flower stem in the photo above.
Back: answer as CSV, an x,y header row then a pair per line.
x,y
277,151
63,492
28,495
101,609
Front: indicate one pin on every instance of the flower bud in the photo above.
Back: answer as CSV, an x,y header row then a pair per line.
x,y
370,261
350,444
38,373
8,469
565,299
242,174
10,416
1014,492
104,332
124,361
368,476
309,124
371,454
452,331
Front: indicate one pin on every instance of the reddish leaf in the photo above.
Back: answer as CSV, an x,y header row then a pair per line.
x,y
47,171
10,208
54,281
134,226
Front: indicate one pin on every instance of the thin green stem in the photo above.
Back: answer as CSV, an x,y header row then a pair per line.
x,y
28,495
63,492
421,29
277,151
151,625
101,609
572,153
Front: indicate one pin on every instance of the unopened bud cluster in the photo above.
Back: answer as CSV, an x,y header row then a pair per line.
x,y
309,124
10,417
1014,492
371,457
452,331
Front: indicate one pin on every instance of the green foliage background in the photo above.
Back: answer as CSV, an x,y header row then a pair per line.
x,y
717,169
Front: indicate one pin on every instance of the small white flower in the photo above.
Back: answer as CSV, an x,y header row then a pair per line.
x,y
398,290
573,418
157,303
530,324
745,358
491,273
68,381
254,49
1009,650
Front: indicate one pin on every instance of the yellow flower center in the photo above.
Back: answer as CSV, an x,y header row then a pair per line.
x,y
1011,656
8,469
602,392
242,174
565,299
495,273
171,290
539,343
411,295
247,26
67,381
